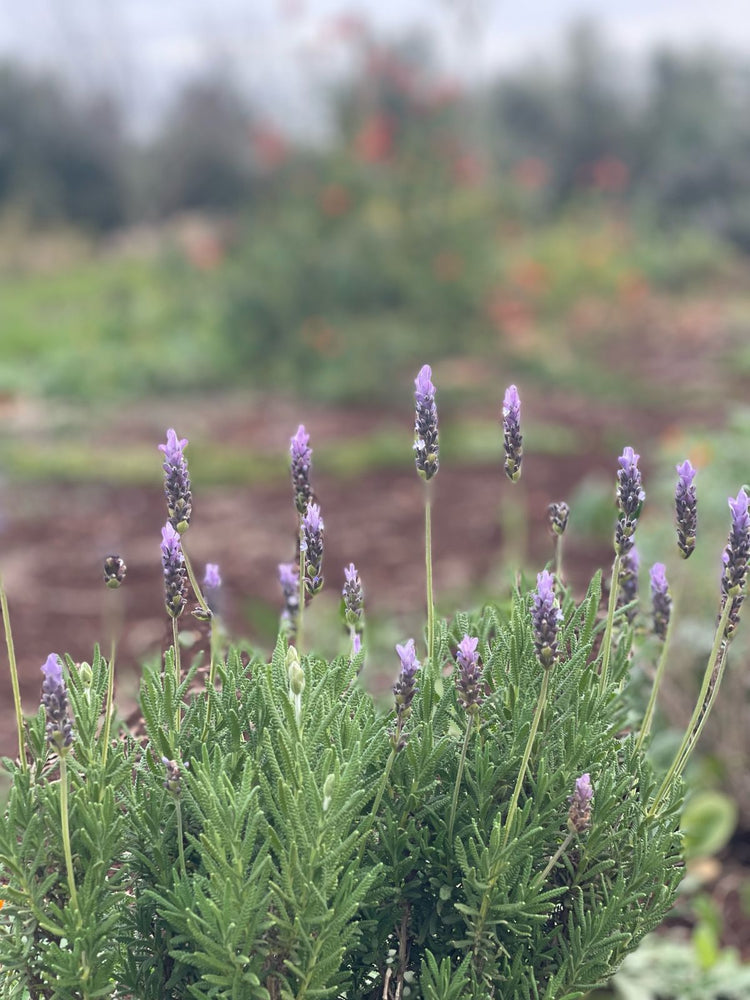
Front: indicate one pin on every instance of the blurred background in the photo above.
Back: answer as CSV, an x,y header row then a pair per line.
x,y
231,218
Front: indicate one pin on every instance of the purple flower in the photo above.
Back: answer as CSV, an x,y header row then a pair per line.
x,y
630,497
114,571
356,644
301,463
546,617
735,560
469,676
512,438
661,600
686,509
579,814
312,545
175,574
353,595
558,517
426,447
627,583
405,688
55,700
177,482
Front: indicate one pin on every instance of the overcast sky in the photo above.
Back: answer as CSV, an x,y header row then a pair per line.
x,y
283,49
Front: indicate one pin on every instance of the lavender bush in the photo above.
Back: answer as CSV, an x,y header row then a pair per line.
x,y
274,835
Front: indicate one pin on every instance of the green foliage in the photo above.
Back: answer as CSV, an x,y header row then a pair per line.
x,y
303,856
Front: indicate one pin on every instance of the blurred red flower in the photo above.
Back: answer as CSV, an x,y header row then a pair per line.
x,y
374,141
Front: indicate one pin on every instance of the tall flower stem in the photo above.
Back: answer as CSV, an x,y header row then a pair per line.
x,y
526,755
558,558
194,583
109,702
649,715
460,774
66,830
702,707
428,577
213,653
177,672
301,611
553,860
607,641
13,676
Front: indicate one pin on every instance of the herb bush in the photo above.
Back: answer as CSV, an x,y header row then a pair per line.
x,y
271,833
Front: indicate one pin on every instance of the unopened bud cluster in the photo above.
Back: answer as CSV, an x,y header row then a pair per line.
x,y
114,571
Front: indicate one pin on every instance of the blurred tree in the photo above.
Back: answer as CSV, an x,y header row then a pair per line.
x,y
202,157
60,159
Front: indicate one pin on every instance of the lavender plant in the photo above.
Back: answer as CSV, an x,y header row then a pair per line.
x,y
278,836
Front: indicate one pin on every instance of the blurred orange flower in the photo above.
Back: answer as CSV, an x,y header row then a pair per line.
x,y
269,146
530,276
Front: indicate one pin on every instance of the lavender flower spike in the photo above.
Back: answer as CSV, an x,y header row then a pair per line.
x,y
177,482
579,814
353,597
301,454
173,780
686,509
469,676
55,701
735,560
630,497
661,600
312,544
426,447
546,617
175,574
512,439
405,688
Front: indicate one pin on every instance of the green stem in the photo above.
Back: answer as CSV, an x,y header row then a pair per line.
x,y
180,848
379,796
66,830
13,676
301,609
607,641
213,653
694,728
108,707
459,776
526,755
177,672
553,860
430,599
650,708
558,559
194,583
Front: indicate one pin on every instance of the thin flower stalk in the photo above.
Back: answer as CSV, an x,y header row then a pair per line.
x,y
735,561
115,571
212,590
173,784
558,513
627,584
13,667
427,460
546,617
